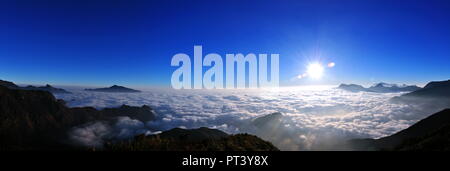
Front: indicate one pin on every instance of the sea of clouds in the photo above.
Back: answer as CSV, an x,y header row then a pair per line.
x,y
312,116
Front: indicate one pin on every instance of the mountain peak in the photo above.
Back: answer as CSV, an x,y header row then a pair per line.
x,y
47,87
383,84
437,84
8,84
434,89
115,89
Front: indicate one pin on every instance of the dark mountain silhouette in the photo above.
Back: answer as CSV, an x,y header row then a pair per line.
x,y
436,141
391,88
352,87
115,89
8,84
379,88
435,95
268,121
201,139
435,89
193,135
431,133
144,113
48,87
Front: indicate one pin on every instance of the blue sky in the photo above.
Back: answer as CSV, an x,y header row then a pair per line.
x,y
132,42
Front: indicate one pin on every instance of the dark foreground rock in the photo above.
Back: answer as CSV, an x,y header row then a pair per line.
x,y
429,134
201,139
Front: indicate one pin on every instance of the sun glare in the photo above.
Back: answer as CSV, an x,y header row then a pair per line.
x,y
315,70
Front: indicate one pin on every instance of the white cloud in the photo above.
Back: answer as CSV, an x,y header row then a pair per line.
x,y
310,115
91,134
331,64
94,134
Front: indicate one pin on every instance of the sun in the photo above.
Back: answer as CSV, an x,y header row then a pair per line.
x,y
315,70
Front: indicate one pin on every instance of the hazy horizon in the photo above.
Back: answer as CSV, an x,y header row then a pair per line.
x,y
144,87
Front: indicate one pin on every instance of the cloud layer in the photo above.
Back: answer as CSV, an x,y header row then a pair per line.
x,y
311,115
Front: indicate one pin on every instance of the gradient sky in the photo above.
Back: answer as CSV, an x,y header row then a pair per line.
x,y
131,43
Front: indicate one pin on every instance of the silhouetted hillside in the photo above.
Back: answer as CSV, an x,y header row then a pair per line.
x,y
202,139
435,95
435,89
144,113
8,84
436,141
192,135
431,133
32,119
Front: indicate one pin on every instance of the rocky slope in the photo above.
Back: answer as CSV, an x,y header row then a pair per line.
x,y
431,133
201,139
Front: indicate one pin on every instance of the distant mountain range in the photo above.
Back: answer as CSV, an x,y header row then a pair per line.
x,y
435,94
115,89
48,87
35,120
435,89
379,88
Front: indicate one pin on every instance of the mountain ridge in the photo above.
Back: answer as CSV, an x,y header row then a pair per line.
x,y
114,89
379,88
435,95
200,139
438,123
47,87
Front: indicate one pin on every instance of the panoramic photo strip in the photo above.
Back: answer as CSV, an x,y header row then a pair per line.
x,y
224,83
